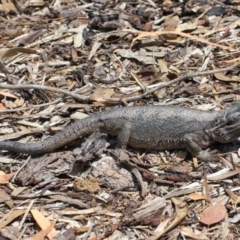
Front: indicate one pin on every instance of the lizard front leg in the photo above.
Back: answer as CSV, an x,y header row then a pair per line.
x,y
195,144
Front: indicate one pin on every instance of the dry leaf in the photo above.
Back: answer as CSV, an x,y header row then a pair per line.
x,y
13,33
171,23
3,69
206,190
147,34
101,94
43,233
215,177
10,233
108,233
222,77
187,231
181,212
235,198
43,223
213,214
7,6
7,94
197,196
140,55
5,177
14,51
3,196
2,107
12,215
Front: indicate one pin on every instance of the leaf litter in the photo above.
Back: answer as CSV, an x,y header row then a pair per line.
x,y
61,60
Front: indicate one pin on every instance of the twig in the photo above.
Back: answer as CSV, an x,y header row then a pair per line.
x,y
139,82
138,176
30,107
20,169
25,214
92,224
24,230
51,89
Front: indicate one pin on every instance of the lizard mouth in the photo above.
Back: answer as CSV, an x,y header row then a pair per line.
x,y
225,133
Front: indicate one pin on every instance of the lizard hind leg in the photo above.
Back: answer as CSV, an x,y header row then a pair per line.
x,y
121,128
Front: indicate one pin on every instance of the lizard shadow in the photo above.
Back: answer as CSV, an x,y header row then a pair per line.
x,y
225,148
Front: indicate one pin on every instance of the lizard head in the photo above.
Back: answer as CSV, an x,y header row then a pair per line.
x,y
227,128
230,115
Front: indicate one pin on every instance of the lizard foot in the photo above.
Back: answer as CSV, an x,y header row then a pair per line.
x,y
120,154
208,155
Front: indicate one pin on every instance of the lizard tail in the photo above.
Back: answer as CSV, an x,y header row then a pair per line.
x,y
78,129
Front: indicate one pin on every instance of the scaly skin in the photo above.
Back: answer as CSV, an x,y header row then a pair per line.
x,y
148,127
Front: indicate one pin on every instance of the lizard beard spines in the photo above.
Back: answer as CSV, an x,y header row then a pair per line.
x,y
223,134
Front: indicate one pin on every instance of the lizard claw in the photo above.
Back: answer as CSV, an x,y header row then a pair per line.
x,y
120,154
208,155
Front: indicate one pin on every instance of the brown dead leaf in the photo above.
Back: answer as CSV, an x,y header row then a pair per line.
x,y
31,37
163,66
206,190
101,94
2,107
14,51
4,196
5,177
38,3
181,212
10,53
81,229
186,27
43,223
13,33
10,233
222,77
230,60
147,34
81,212
221,176
11,216
74,55
7,94
108,233
140,55
3,69
188,232
43,233
235,198
17,191
171,23
197,196
213,214
7,6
